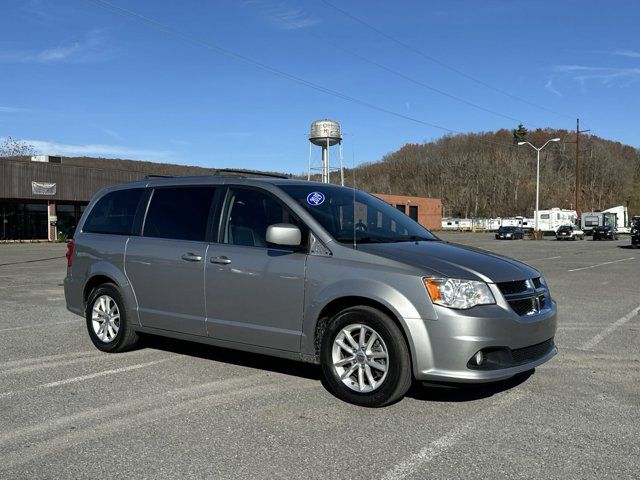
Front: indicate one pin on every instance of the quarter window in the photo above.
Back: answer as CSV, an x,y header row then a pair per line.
x,y
114,213
180,213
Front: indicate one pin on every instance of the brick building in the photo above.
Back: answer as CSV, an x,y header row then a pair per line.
x,y
426,211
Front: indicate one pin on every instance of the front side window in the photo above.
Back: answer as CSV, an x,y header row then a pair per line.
x,y
179,213
349,215
248,215
114,213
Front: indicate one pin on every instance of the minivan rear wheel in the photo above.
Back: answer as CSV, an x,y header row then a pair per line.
x,y
107,320
365,359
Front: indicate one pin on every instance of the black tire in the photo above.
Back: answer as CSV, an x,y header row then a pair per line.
x,y
126,337
399,375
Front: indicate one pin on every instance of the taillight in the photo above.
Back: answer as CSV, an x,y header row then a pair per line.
x,y
70,247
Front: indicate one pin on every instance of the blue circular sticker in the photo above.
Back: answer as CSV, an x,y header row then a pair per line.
x,y
315,198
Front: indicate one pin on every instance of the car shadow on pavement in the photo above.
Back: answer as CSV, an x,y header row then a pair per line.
x,y
235,357
626,247
465,392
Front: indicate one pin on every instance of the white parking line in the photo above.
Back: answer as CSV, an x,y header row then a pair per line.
x,y
84,377
445,442
540,259
600,264
610,329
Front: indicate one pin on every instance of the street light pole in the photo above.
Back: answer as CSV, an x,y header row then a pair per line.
x,y
538,176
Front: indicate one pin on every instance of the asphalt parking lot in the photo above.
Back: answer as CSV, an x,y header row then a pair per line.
x,y
176,409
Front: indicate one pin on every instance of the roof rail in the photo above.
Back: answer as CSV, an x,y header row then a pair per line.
x,y
249,173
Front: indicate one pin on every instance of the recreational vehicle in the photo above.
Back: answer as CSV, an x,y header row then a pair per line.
x,y
622,218
591,220
551,220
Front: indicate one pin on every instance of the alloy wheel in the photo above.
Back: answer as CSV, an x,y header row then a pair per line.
x,y
360,358
105,318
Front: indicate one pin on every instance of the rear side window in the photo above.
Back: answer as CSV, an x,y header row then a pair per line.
x,y
114,213
180,213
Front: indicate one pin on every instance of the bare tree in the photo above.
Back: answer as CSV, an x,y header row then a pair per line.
x,y
12,147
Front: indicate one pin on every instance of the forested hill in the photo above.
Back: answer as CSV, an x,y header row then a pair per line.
x,y
486,174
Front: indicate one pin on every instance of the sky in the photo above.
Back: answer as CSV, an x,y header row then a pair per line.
x,y
236,84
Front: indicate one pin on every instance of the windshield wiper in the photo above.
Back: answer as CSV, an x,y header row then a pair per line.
x,y
363,240
415,238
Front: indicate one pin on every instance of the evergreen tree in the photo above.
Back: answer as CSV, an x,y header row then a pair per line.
x,y
520,134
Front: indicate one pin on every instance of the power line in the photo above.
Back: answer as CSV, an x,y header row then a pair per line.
x,y
413,80
263,66
440,62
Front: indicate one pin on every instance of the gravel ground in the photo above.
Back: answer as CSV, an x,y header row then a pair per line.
x,y
176,409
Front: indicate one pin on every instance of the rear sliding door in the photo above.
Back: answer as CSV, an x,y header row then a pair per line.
x,y
166,263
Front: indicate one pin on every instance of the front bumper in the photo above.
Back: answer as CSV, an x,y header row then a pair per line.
x,y
457,335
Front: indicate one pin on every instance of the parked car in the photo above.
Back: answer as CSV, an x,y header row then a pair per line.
x,y
569,232
605,232
306,271
635,232
510,233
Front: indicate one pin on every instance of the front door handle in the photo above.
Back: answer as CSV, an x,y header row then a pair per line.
x,y
191,257
221,260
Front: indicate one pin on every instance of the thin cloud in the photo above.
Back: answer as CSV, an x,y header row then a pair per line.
x,y
626,53
550,88
93,47
97,150
5,109
284,16
603,75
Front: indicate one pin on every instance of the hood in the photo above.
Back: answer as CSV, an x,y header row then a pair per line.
x,y
439,258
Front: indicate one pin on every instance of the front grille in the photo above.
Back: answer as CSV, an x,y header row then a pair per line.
x,y
509,288
525,297
532,353
525,306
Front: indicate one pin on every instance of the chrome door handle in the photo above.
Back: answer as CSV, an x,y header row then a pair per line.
x,y
221,260
191,257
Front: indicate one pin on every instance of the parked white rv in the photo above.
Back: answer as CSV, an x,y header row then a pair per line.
x,y
528,224
551,220
450,224
622,218
590,220
511,222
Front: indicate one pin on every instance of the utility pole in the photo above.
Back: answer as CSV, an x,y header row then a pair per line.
x,y
578,132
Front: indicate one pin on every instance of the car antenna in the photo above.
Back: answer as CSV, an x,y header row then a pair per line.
x,y
353,161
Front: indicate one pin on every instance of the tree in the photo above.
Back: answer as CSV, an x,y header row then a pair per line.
x,y
13,148
520,134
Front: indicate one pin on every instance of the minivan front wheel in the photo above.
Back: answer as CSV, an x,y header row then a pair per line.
x,y
365,358
107,323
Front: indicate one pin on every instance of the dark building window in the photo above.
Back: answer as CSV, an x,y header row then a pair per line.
x,y
180,213
400,207
114,213
68,217
23,221
413,212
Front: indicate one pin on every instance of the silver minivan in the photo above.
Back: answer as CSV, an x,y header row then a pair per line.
x,y
307,271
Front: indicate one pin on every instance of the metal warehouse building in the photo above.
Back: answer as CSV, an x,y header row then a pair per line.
x,y
43,197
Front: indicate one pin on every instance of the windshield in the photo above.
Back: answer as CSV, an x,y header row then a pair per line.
x,y
506,229
347,213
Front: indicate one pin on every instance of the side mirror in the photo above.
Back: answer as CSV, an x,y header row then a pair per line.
x,y
284,234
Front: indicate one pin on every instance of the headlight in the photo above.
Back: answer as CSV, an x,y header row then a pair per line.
x,y
461,294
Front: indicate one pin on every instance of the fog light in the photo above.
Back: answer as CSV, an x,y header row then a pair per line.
x,y
479,358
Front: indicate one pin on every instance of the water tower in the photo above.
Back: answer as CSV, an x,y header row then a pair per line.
x,y
325,134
